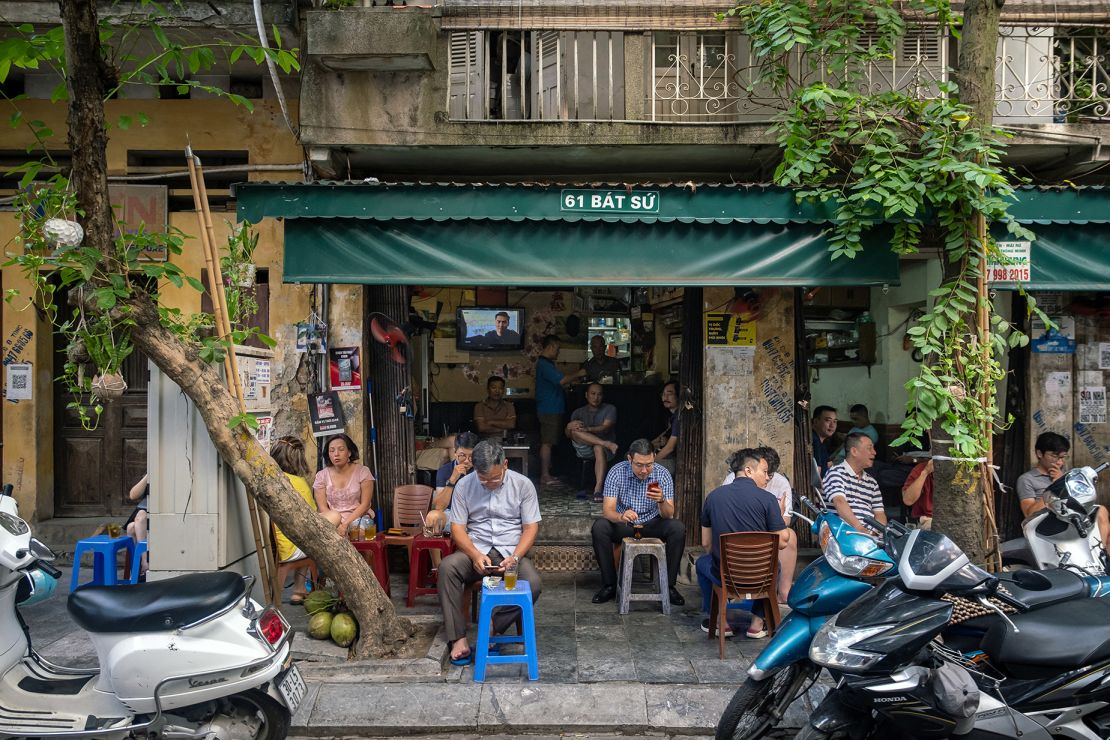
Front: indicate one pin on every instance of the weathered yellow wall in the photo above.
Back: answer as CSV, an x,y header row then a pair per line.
x,y
28,454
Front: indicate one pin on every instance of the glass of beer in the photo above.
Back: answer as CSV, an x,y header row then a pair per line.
x,y
510,577
113,530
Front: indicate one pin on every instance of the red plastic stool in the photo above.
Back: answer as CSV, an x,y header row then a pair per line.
x,y
373,551
421,582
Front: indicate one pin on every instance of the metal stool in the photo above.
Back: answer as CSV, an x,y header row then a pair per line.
x,y
418,577
104,550
373,551
633,548
493,598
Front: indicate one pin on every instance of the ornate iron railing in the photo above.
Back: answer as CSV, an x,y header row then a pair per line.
x,y
1052,74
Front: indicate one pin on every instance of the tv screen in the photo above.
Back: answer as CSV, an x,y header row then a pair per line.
x,y
489,329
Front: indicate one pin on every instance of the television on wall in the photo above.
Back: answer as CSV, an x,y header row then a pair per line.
x,y
489,329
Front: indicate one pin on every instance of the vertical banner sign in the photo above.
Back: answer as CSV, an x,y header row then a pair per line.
x,y
325,413
344,368
1015,265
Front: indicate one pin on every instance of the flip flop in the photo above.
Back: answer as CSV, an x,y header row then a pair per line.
x,y
756,635
462,659
297,599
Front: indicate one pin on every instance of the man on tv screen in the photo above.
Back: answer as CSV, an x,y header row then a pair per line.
x,y
501,333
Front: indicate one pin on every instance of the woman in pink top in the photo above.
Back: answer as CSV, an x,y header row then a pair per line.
x,y
344,487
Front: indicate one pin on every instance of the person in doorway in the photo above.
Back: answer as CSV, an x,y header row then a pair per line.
x,y
288,453
666,444
344,486
137,521
600,365
917,493
849,489
1051,450
638,494
861,423
824,427
494,416
592,431
495,516
447,479
501,333
551,402
742,506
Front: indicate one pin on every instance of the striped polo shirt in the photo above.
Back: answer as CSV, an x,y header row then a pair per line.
x,y
861,491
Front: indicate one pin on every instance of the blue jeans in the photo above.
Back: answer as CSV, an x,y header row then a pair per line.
x,y
708,578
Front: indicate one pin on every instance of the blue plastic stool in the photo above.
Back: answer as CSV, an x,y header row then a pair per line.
x,y
104,550
493,598
137,561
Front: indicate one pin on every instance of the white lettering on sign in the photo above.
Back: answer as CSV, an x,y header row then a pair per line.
x,y
610,201
1015,265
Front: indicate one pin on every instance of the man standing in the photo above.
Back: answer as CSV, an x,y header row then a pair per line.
x,y
501,333
551,402
637,492
667,442
447,478
742,506
849,490
824,426
600,365
494,416
495,516
593,433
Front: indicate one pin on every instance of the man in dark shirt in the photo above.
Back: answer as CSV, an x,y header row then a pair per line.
x,y
447,477
501,333
824,427
740,506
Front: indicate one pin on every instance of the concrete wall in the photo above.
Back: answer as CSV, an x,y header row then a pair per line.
x,y
28,453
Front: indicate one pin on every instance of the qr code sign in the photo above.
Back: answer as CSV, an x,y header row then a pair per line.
x,y
19,382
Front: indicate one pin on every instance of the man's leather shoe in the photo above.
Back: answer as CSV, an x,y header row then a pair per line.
x,y
676,597
605,594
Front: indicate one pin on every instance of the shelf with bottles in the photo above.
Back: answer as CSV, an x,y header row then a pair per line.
x,y
836,343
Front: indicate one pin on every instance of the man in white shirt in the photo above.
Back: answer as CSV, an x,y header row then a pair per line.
x,y
849,490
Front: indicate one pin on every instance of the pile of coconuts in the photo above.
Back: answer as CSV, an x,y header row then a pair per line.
x,y
329,618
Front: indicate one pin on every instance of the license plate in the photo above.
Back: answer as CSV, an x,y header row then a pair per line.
x,y
292,688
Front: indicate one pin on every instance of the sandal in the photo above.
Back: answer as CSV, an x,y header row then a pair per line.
x,y
756,635
462,659
297,599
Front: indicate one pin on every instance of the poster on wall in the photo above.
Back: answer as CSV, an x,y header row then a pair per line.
x,y
728,330
344,368
19,381
1104,355
1092,404
326,413
1058,340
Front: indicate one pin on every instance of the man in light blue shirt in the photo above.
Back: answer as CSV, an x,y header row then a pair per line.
x,y
495,516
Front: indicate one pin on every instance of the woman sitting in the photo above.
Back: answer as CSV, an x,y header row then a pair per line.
x,y
288,453
344,487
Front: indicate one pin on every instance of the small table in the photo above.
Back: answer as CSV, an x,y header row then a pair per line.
x,y
518,452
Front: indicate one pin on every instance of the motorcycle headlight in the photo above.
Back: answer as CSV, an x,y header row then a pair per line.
x,y
832,647
855,566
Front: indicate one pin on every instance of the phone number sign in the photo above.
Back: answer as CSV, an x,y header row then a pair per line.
x,y
609,201
1015,265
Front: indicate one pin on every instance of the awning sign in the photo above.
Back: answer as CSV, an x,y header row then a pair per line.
x,y
1015,266
728,330
609,201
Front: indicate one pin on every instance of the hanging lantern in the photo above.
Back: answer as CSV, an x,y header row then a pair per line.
x,y
62,233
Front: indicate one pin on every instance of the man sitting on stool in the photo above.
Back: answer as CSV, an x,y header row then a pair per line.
x,y
495,516
628,501
591,430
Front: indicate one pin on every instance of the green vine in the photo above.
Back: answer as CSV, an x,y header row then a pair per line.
x,y
909,158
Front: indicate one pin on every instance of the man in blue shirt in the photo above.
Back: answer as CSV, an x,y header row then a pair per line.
x,y
740,506
447,477
551,402
637,492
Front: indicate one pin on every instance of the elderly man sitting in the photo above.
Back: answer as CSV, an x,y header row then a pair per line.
x,y
592,430
495,516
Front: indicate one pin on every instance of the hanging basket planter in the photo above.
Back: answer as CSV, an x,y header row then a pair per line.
x,y
109,387
62,233
245,275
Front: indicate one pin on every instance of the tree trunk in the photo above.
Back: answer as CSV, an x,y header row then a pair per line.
x,y
381,630
691,443
958,508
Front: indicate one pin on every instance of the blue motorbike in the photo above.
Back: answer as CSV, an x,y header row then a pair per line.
x,y
852,563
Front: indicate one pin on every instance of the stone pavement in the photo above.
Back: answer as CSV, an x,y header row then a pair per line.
x,y
642,674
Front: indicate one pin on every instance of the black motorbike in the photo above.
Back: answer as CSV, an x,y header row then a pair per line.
x,y
949,650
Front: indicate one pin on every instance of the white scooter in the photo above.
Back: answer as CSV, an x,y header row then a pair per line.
x,y
1064,533
187,657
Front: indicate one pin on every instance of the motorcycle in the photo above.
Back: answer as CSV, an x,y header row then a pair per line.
x,y
1041,668
1063,534
187,657
783,671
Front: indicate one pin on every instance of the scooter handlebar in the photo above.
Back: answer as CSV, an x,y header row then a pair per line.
x,y
48,569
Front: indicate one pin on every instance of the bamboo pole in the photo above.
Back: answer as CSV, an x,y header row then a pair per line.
x,y
986,480
267,570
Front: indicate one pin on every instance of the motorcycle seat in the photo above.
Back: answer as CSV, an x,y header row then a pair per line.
x,y
1036,589
158,606
1067,635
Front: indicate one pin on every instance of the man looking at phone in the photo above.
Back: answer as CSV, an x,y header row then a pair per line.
x,y
447,478
495,516
638,493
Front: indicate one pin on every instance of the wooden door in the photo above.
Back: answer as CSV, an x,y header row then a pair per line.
x,y
94,469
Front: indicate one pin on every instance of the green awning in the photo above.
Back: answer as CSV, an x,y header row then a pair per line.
x,y
572,253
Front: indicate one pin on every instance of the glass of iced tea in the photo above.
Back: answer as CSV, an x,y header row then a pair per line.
x,y
510,577
113,531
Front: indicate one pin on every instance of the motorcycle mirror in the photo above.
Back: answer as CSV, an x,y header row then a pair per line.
x,y
41,551
1058,486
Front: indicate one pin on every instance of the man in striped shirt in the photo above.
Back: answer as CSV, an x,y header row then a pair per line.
x,y
849,490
